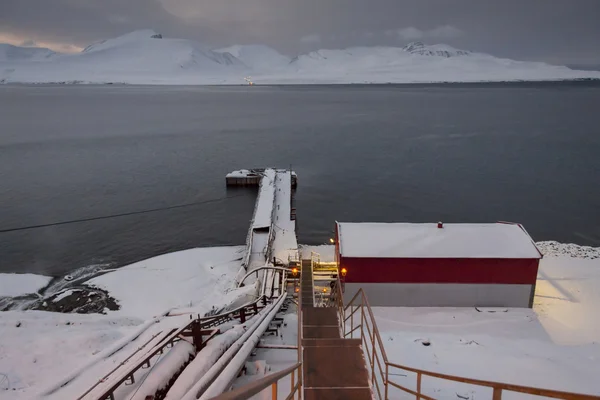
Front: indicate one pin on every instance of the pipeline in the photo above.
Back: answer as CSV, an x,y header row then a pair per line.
x,y
266,314
223,381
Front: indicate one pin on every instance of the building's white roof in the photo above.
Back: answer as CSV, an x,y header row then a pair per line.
x,y
404,240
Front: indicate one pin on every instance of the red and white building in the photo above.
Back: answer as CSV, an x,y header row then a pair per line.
x,y
431,265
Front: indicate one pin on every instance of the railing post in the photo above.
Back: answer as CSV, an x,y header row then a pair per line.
x,y
243,315
387,375
418,386
373,355
351,321
292,386
274,390
497,395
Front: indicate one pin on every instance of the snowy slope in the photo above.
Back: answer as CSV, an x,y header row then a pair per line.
x,y
138,57
10,53
439,50
145,57
12,285
415,63
258,57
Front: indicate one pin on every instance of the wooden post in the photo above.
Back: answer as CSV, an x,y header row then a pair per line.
x,y
497,395
418,386
243,315
274,391
197,335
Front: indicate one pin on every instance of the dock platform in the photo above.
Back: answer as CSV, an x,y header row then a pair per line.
x,y
252,177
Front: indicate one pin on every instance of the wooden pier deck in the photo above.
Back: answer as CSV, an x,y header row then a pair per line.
x,y
333,367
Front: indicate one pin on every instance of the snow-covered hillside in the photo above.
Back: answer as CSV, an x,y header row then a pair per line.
x,y
9,53
145,57
258,57
142,57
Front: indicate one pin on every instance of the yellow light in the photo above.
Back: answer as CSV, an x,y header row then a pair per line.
x,y
297,290
331,240
344,271
324,290
294,271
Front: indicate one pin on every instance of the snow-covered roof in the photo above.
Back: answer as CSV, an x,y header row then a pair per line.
x,y
405,240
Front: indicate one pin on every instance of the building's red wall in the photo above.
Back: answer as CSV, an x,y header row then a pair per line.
x,y
440,270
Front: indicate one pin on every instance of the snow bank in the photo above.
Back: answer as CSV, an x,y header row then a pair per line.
x,y
556,249
556,345
12,285
144,57
38,347
195,277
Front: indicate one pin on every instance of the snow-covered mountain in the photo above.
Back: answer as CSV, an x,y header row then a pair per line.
x,y
10,53
440,50
258,57
145,57
142,57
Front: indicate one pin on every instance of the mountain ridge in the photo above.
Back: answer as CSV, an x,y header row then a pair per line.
x,y
147,57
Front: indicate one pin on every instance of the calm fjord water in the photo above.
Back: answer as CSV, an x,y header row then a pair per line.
x,y
458,153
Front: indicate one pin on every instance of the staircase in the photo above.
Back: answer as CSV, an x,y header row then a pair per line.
x,y
333,368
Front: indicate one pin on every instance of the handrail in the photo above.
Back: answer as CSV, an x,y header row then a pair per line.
x,y
368,323
255,387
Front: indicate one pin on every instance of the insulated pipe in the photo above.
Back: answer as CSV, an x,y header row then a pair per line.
x,y
223,381
261,268
200,386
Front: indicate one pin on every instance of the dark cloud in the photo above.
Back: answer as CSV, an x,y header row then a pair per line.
x,y
565,31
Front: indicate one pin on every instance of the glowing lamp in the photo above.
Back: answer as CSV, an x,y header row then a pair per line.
x,y
344,271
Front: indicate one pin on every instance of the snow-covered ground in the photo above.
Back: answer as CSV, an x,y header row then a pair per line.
x,y
144,57
556,345
12,285
39,349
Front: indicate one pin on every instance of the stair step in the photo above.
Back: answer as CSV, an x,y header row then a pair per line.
x,y
320,316
321,332
338,394
331,342
334,367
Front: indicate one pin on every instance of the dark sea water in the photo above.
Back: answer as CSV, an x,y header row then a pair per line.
x,y
528,153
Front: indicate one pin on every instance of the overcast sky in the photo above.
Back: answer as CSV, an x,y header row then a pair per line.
x,y
558,31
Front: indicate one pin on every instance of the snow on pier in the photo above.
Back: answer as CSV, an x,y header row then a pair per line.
x,y
272,233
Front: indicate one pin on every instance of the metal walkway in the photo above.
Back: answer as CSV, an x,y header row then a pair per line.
x,y
333,368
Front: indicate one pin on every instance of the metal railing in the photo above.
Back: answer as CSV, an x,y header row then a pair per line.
x,y
272,380
253,388
357,321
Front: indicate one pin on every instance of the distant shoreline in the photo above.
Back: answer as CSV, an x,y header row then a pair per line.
x,y
519,83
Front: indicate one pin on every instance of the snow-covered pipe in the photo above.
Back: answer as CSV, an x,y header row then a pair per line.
x,y
223,381
205,381
165,369
204,360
